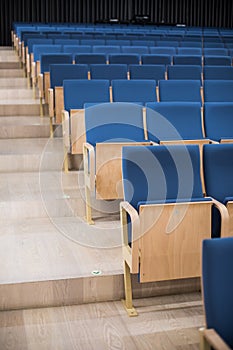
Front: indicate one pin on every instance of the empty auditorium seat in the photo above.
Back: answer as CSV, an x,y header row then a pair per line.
x,y
180,90
147,71
138,91
184,72
218,91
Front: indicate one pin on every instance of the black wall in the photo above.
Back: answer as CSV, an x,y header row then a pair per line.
x,y
214,13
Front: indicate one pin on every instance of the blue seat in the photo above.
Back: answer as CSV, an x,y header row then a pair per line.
x,y
184,72
92,42
108,127
108,71
217,60
217,284
218,121
76,94
191,44
189,51
135,49
156,59
124,58
38,50
218,73
170,121
139,91
163,50
63,42
106,49
76,49
44,77
167,43
90,58
194,60
215,52
153,72
180,91
218,172
212,45
218,91
156,213
117,42
58,73
144,42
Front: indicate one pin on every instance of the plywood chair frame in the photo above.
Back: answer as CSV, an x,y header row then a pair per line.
x,y
165,240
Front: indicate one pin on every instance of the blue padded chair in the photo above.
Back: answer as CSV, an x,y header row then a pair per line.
x,y
143,42
180,91
139,91
215,52
76,49
37,41
217,284
90,58
76,94
169,121
147,71
117,42
109,127
191,44
163,50
66,41
218,120
154,217
218,91
45,49
218,172
124,59
194,60
106,49
189,51
58,73
213,45
156,59
217,73
108,71
140,50
217,60
92,42
168,43
184,72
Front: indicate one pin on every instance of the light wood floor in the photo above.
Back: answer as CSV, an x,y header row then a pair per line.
x,y
164,323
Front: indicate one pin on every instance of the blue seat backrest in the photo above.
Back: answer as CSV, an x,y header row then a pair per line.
x,y
148,71
92,42
188,59
134,91
89,58
43,49
52,58
218,120
215,52
218,73
217,60
106,49
38,41
63,42
218,172
155,173
110,72
135,49
218,91
114,122
180,90
189,51
79,92
156,59
191,43
217,282
174,121
60,72
188,72
168,43
117,42
76,49
163,50
124,58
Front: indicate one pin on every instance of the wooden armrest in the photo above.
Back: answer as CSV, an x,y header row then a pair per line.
x,y
214,339
134,217
51,102
33,70
225,225
66,130
89,165
41,85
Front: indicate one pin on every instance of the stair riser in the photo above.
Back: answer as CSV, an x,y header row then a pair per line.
x,y
19,109
28,131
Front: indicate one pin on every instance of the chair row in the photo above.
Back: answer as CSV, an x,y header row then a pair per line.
x,y
165,216
75,93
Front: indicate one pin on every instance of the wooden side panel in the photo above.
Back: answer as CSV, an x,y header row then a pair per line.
x,y
109,169
78,134
171,240
59,103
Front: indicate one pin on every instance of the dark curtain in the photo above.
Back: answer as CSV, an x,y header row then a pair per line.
x,y
211,13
